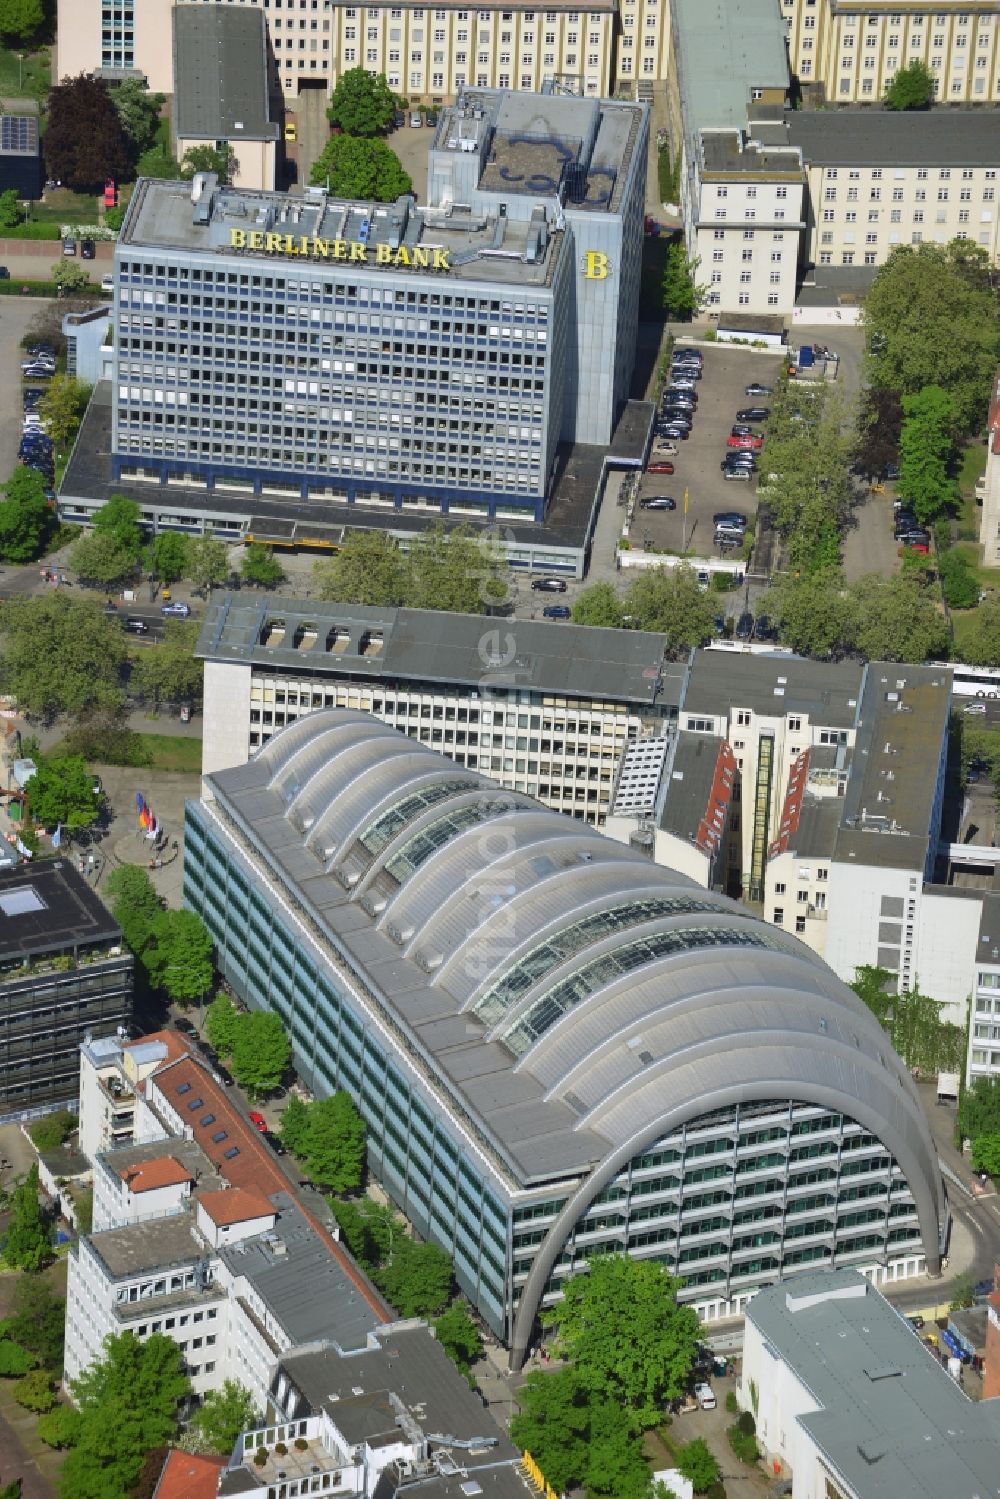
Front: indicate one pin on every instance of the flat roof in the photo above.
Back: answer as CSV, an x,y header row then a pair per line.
x,y
48,906
890,1422
157,1244
723,53
687,788
886,137
220,74
552,657
773,686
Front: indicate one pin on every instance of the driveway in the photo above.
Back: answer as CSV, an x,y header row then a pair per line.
x,y
869,545
721,393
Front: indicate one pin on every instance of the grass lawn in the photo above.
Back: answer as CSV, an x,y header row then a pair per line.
x,y
62,206
961,621
973,464
31,79
172,752
989,577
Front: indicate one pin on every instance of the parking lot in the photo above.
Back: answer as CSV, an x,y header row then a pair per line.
x,y
721,393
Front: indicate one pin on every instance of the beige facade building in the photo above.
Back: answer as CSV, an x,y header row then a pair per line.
x,y
853,50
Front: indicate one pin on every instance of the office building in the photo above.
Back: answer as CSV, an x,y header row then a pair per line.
x,y
850,1403
392,1419
222,89
64,975
559,1049
542,708
196,1233
984,1005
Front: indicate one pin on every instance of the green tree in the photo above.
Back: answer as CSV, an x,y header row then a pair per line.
x,y
128,1403
454,570
897,620
697,1464
26,1244
986,1154
459,1336
223,1415
553,1424
139,112
926,449
121,518
911,87
67,276
357,168
169,555
930,318
616,1466
135,905
598,605
368,569
294,1124
963,1293
61,408
60,1428
366,1227
10,207
179,957
159,161
621,1326
682,296
34,1391
981,642
222,1023
52,1130
362,103
62,791
12,1490
14,1360
20,21
169,671
669,600
417,1279
114,218
261,1052
816,614
959,582
261,567
97,557
37,1320
218,159
26,518
207,562
333,1149
979,1109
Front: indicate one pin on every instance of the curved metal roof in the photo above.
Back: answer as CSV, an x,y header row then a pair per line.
x,y
617,993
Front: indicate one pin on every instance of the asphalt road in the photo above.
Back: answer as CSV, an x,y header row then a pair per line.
x,y
15,316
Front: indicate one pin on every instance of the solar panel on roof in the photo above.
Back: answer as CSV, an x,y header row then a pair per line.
x,y
17,133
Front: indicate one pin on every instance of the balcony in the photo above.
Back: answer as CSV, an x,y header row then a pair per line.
x,y
305,1467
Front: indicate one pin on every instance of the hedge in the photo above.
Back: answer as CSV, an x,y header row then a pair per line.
x,y
31,231
17,287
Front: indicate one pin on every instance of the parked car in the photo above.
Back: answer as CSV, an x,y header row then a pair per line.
x,y
740,460
660,466
416,118
737,473
258,1121
556,611
729,518
675,430
763,628
69,247
974,708
744,626
4,273
275,1143
38,371
916,536
753,414
549,585
658,502
136,626
398,119
754,389
180,1024
107,283
88,250
176,610
664,449
746,443
705,1396
741,429
891,471
291,132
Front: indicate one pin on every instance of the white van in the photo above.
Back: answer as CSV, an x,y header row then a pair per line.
x,y
705,1396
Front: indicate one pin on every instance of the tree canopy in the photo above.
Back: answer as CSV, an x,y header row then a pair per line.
x,y
879,422
61,408
169,671
669,600
879,618
20,21
261,1052
135,904
37,1320
26,518
218,159
622,1328
223,1414
59,655
459,1336
178,957
61,792
26,1245
578,1438
362,103
417,1279
222,1022
979,1108
682,296
333,1143
911,87
169,555
600,605
98,557
260,566
930,318
366,1227
444,569
128,1402
85,141
926,450
207,561
139,112
981,639
355,167
121,519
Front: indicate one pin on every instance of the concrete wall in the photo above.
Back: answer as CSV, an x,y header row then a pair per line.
x,y
226,735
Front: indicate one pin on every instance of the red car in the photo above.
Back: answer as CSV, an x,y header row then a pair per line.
x,y
110,193
660,466
745,444
258,1121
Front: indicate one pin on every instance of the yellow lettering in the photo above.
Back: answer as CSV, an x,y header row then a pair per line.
x,y
321,247
288,244
441,261
255,239
340,249
421,257
402,256
303,244
383,255
359,251
595,266
237,239
272,244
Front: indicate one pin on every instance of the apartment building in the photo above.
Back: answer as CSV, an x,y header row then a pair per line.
x,y
984,1006
223,90
853,50
542,708
878,179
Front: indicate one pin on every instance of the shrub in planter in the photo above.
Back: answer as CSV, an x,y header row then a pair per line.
x,y
301,1444
747,1424
716,1491
731,1405
280,1450
260,1456
744,1447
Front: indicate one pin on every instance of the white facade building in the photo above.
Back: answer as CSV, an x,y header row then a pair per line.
x,y
988,487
